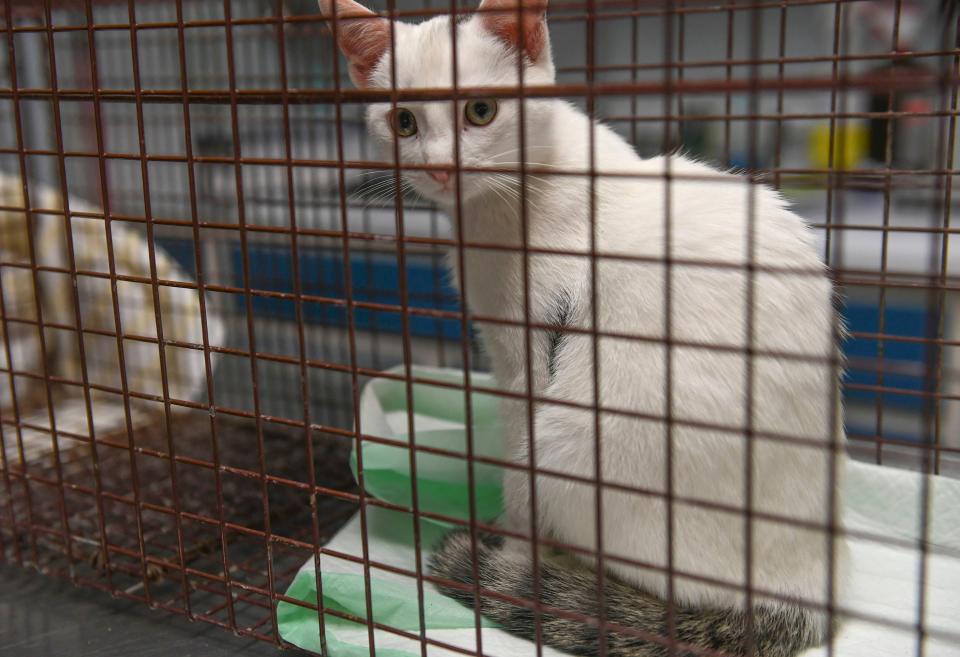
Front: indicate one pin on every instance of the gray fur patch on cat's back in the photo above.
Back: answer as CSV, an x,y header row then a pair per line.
x,y
778,631
560,320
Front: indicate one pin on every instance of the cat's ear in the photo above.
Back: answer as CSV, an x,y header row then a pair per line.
x,y
526,28
362,35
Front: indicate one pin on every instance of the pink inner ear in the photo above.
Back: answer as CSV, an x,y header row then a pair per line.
x,y
364,42
506,26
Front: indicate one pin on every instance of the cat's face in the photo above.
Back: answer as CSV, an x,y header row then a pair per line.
x,y
427,133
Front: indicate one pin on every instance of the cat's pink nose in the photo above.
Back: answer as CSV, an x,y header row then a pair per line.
x,y
440,176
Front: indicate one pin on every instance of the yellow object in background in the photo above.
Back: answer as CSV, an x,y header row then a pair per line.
x,y
850,143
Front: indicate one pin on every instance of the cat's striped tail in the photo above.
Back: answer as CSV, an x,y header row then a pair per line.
x,y
778,631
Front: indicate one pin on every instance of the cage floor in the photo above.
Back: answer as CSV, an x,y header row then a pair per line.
x,y
217,551
49,617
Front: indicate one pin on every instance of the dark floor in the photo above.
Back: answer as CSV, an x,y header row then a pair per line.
x,y
49,617
60,530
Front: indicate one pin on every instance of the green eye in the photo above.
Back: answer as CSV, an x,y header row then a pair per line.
x,y
404,122
481,112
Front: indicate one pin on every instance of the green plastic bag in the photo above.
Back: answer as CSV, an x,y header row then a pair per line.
x,y
392,604
438,416
439,423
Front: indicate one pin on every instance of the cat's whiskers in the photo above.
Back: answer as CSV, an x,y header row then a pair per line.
x,y
509,186
377,186
499,189
513,184
499,195
374,178
385,189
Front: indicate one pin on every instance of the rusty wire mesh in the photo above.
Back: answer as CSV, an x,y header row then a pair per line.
x,y
217,132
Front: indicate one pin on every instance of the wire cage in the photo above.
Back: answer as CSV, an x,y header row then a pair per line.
x,y
199,274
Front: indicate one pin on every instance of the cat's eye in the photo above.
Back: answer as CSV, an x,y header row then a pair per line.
x,y
403,121
481,112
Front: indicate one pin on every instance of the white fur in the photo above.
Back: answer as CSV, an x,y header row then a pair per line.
x,y
710,222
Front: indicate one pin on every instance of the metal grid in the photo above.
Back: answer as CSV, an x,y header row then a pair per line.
x,y
227,135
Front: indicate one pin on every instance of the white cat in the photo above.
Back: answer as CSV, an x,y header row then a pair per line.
x,y
718,225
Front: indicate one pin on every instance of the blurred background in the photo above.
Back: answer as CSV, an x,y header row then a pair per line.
x,y
870,162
